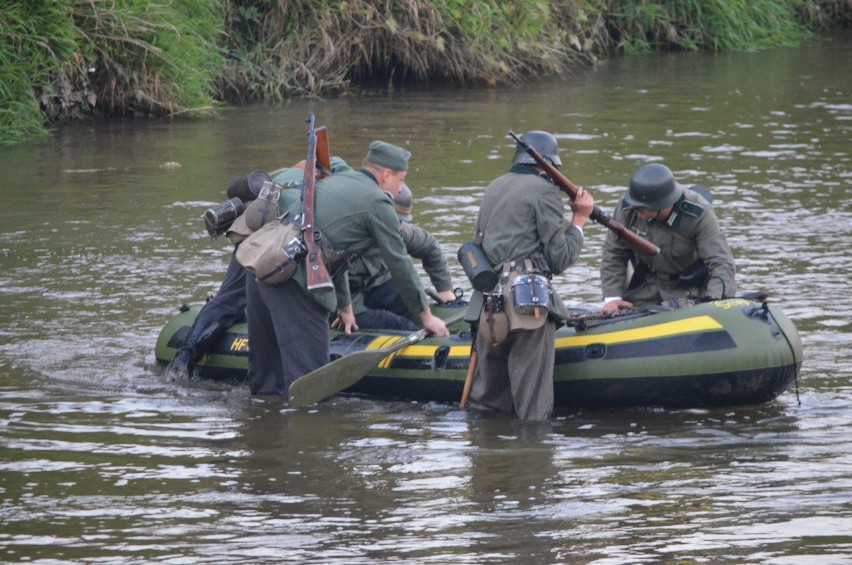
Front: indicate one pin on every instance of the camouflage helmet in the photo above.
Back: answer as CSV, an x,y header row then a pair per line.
x,y
542,142
654,187
403,203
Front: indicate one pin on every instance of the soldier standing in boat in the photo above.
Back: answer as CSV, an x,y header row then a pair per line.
x,y
523,234
694,258
375,301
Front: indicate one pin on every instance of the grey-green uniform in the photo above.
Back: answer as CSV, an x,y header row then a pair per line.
x,y
288,327
690,232
369,271
524,213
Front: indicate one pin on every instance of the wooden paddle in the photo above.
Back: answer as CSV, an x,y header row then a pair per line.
x,y
468,380
344,372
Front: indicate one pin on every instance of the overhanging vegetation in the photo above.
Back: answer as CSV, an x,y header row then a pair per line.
x,y
72,59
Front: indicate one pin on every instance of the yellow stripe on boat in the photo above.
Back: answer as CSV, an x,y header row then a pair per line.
x,y
387,361
429,351
383,341
656,331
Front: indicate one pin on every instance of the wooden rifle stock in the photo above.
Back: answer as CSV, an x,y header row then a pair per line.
x,y
638,243
323,152
318,279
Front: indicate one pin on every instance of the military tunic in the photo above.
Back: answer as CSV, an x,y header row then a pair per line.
x,y
690,232
287,325
524,213
369,272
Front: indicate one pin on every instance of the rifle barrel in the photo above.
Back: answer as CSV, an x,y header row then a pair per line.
x,y
640,244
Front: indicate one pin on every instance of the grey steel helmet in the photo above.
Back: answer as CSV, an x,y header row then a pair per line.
x,y
654,187
403,203
542,142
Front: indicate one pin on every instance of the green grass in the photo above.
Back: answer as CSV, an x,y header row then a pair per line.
x,y
74,59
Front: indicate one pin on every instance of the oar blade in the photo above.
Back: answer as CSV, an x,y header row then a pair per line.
x,y
338,375
342,373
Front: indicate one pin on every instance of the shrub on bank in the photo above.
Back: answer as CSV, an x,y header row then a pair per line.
x,y
67,59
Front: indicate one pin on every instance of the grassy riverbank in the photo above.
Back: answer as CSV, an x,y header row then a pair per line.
x,y
68,59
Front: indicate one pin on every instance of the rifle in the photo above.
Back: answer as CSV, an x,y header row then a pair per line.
x,y
323,152
318,279
640,244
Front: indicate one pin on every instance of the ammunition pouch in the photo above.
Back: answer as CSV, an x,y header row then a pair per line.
x,y
640,274
695,276
337,262
273,252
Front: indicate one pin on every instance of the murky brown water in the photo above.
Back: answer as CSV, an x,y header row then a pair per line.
x,y
102,460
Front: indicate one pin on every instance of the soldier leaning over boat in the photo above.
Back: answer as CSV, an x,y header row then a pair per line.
x,y
694,258
375,300
354,215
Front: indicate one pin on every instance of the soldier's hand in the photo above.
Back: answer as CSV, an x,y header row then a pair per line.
x,y
434,324
345,320
614,305
582,206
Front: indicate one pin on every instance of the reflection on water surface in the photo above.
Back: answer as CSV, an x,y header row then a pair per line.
x,y
103,239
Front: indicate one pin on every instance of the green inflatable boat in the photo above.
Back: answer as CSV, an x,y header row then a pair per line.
x,y
722,353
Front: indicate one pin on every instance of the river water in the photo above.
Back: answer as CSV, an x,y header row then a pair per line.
x,y
103,460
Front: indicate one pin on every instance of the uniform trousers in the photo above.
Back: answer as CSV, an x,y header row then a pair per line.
x,y
386,297
517,374
288,335
385,310
219,313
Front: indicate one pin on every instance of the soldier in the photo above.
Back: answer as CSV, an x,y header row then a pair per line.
x,y
288,326
523,232
375,300
227,306
694,256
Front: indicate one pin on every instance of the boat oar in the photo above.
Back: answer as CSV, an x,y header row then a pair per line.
x,y
344,372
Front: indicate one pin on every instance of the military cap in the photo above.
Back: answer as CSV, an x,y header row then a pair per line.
x,y
384,154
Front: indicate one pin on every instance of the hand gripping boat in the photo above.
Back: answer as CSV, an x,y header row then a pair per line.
x,y
721,353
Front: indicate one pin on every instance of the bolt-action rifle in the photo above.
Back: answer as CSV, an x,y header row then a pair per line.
x,y
638,243
323,152
318,279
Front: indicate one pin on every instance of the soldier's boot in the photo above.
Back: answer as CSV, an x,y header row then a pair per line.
x,y
182,366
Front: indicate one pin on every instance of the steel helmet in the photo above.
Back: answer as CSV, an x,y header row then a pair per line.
x,y
403,203
654,187
542,142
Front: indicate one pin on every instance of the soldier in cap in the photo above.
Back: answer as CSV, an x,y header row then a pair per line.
x,y
694,258
288,326
522,228
375,300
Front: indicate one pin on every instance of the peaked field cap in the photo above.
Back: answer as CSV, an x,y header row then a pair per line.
x,y
387,155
